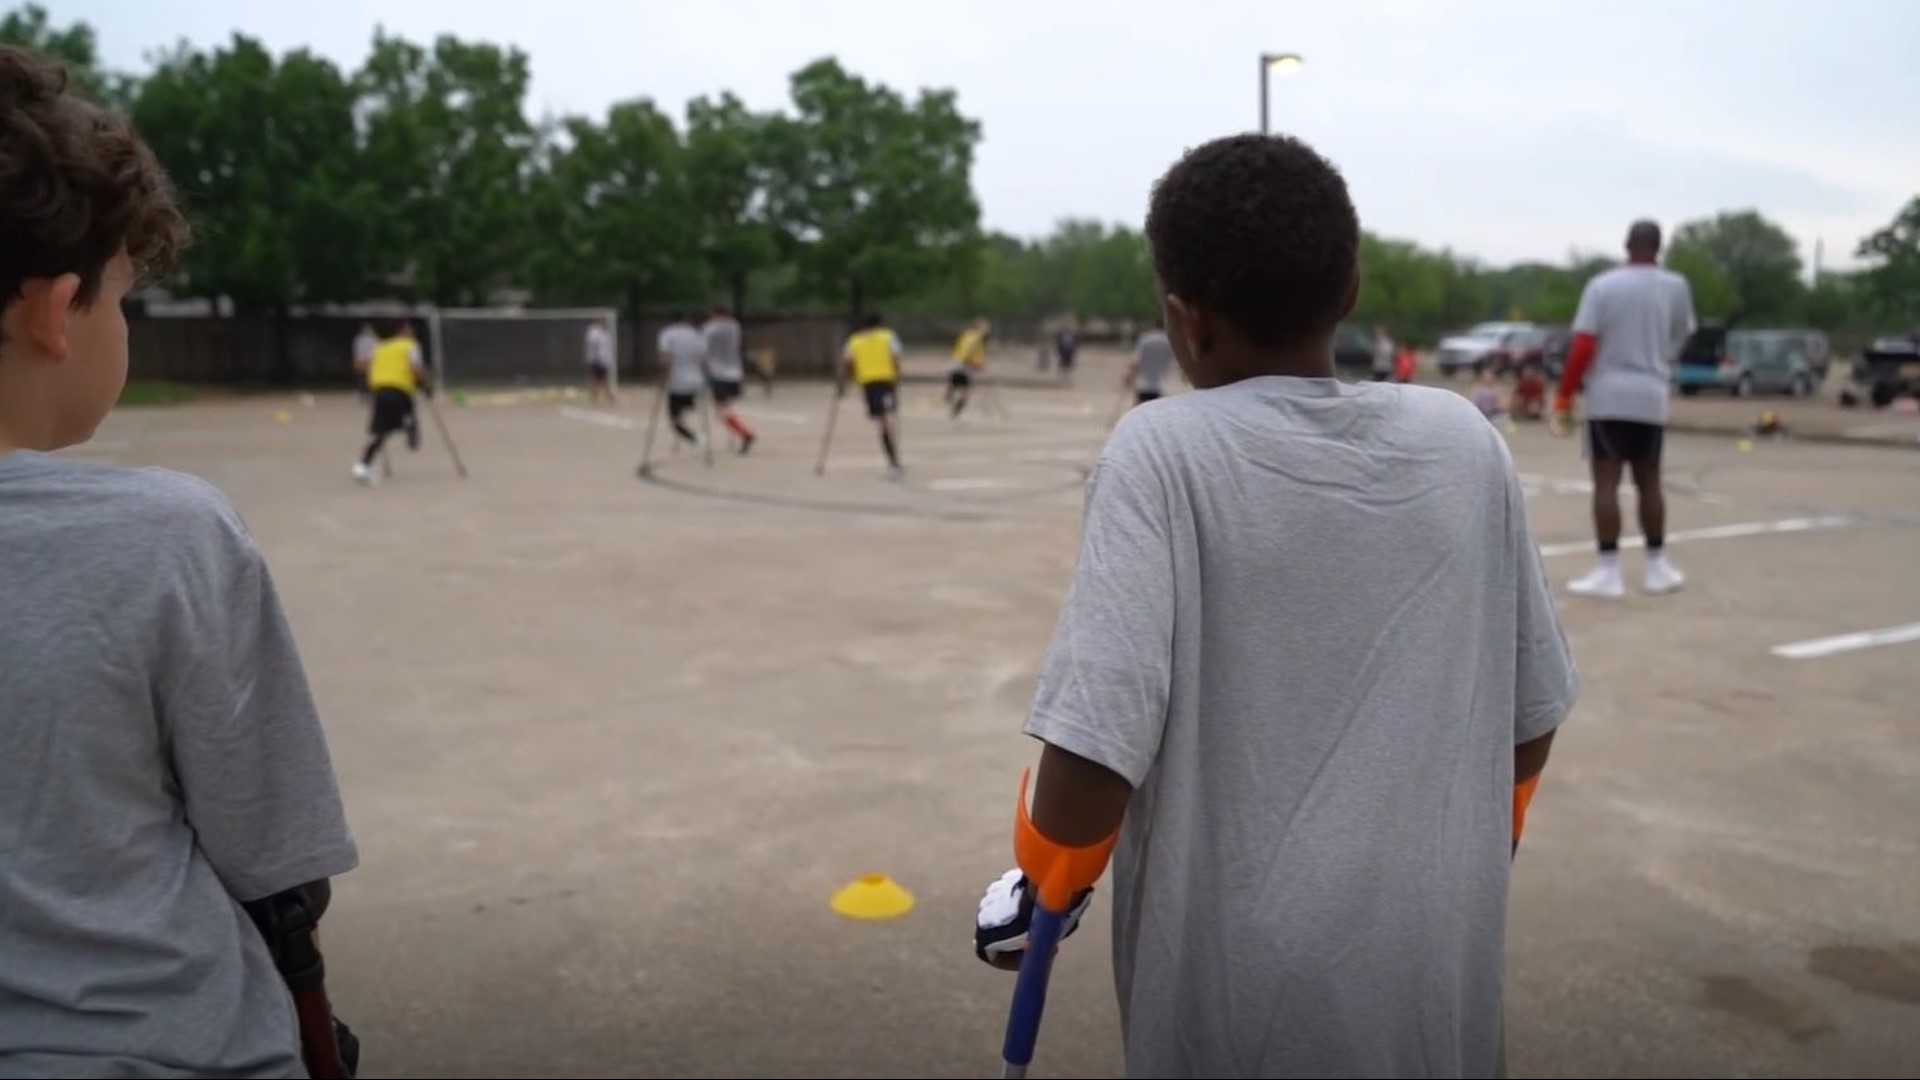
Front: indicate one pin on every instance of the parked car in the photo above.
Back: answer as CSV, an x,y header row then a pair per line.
x,y
1527,346
1478,346
1745,363
1553,353
1818,352
1889,368
1353,352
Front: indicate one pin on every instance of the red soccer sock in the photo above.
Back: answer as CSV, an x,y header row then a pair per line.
x,y
737,426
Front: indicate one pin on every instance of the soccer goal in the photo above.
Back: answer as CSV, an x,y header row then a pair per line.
x,y
518,348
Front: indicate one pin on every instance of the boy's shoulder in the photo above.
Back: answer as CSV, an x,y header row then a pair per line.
x,y
151,504
1437,423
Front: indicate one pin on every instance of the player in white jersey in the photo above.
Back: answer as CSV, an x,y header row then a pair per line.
x,y
363,345
600,362
726,371
1152,359
683,355
1632,322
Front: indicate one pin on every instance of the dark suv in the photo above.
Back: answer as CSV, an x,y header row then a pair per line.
x,y
1746,362
1889,368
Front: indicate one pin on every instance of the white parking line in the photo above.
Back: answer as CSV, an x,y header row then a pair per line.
x,y
1053,410
970,483
1872,431
1865,639
592,417
1715,532
778,417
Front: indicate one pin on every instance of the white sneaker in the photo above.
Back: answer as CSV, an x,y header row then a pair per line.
x,y
1663,577
896,472
1602,581
364,474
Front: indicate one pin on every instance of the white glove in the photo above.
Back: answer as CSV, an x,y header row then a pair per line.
x,y
1006,912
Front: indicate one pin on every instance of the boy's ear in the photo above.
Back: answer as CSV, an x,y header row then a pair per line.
x,y
40,314
1189,324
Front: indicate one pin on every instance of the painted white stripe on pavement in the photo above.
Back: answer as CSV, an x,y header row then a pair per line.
x,y
778,417
970,483
1866,639
1053,410
591,417
1715,532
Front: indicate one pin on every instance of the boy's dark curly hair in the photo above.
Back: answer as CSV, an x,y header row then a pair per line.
x,y
76,185
1259,230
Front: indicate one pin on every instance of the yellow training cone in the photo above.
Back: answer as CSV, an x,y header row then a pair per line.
x,y
283,416
1746,445
875,896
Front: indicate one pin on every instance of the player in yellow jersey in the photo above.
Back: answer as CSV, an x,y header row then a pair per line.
x,y
394,374
969,363
872,359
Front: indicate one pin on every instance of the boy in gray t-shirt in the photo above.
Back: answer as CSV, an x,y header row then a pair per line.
x,y
1305,678
164,782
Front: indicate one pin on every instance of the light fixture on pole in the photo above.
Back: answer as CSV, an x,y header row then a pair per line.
x,y
1270,62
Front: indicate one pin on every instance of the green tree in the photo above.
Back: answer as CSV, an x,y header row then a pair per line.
x,y
1891,282
871,193
614,213
450,152
265,155
1759,259
727,166
1714,296
74,45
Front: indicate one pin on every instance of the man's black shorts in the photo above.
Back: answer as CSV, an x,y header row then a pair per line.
x,y
392,410
880,398
1625,440
598,371
960,378
680,403
724,390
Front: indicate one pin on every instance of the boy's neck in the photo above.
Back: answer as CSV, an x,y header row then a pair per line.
x,y
1313,362
25,422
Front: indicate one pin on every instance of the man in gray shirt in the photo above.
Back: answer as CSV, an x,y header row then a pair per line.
x,y
1152,359
163,774
1309,669
726,370
1633,320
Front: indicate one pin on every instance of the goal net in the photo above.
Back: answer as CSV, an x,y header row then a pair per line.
x,y
518,348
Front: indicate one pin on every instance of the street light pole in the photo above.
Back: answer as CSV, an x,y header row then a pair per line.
x,y
1264,65
1273,62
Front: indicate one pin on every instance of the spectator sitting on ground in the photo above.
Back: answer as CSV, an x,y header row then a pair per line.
x,y
1529,394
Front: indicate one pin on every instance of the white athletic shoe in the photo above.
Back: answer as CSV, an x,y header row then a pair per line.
x,y
365,475
1663,577
896,472
1602,581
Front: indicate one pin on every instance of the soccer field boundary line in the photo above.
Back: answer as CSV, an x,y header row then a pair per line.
x,y
1713,532
1816,648
603,419
1002,507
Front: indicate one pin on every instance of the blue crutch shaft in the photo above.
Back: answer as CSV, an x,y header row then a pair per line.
x,y
1030,990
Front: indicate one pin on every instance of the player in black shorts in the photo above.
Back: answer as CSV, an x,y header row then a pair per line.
x,y
1632,321
872,359
1065,342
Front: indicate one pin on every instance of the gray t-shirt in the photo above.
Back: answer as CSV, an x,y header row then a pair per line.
x,y
723,350
685,354
1641,316
1309,624
160,763
1155,356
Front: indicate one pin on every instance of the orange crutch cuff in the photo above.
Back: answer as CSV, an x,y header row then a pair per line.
x,y
1057,873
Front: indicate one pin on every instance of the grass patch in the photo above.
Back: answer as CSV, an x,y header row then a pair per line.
x,y
155,392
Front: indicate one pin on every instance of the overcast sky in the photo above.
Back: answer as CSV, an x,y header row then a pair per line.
x,y
1505,129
